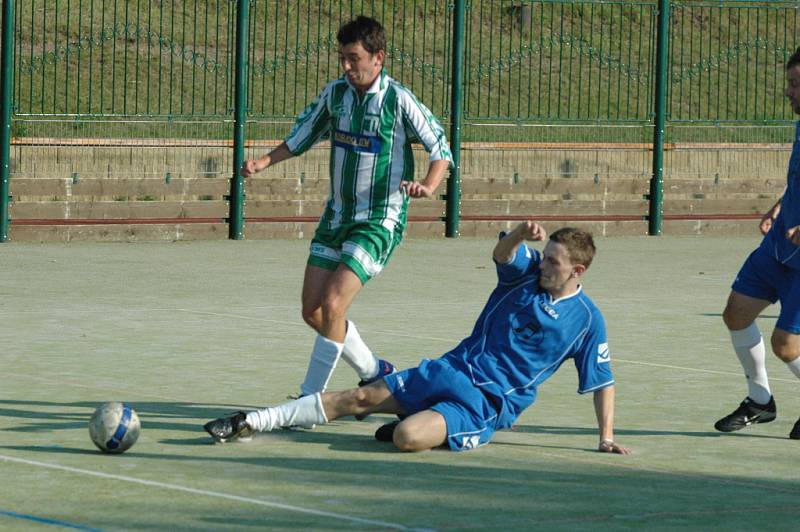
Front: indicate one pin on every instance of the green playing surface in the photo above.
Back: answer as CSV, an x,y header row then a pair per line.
x,y
186,332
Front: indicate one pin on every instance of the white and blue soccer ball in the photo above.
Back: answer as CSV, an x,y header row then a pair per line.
x,y
114,427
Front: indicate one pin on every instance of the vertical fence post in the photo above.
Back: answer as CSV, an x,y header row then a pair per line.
x,y
236,198
657,179
453,206
6,101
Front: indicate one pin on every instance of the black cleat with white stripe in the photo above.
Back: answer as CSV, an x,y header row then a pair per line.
x,y
230,428
748,413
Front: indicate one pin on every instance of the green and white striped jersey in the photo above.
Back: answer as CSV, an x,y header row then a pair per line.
x,y
371,136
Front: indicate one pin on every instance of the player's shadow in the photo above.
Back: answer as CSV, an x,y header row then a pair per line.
x,y
360,441
451,492
719,315
49,416
587,431
347,442
45,416
59,449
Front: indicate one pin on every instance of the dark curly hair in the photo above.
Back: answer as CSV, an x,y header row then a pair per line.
x,y
365,30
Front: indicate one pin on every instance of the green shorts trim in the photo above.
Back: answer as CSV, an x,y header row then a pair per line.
x,y
364,247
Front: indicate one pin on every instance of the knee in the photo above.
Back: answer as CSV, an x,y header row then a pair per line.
x,y
333,307
313,317
785,346
732,319
407,440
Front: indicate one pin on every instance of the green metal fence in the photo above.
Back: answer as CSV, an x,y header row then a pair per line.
x,y
563,61
726,60
549,61
555,70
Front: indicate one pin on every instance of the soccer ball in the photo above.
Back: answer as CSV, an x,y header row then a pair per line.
x,y
114,427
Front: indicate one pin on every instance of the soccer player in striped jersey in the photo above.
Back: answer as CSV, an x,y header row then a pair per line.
x,y
771,273
537,318
371,121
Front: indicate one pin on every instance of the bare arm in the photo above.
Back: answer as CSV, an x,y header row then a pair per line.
x,y
426,187
507,247
766,221
793,234
277,155
604,409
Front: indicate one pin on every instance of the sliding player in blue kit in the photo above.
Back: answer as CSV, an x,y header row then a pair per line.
x,y
536,318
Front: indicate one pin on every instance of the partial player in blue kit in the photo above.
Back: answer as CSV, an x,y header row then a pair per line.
x,y
536,318
771,273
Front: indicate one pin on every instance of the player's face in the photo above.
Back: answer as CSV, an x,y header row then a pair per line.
x,y
360,66
793,87
558,274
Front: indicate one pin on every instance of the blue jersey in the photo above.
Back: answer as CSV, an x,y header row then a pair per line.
x,y
524,335
775,241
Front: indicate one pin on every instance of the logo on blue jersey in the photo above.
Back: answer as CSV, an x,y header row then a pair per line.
x,y
550,310
470,442
603,353
527,328
356,142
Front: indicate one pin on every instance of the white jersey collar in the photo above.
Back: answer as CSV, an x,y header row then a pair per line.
x,y
573,294
378,85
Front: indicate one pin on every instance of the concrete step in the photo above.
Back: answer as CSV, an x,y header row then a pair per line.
x,y
304,230
80,210
122,189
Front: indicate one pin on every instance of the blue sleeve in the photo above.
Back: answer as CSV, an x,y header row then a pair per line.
x,y
593,359
524,262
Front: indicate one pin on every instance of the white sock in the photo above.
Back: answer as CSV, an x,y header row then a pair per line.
x,y
794,365
323,361
305,411
749,347
358,355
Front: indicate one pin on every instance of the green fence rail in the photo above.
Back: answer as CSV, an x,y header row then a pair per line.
x,y
6,80
142,69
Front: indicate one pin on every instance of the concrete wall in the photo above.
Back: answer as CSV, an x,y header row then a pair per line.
x,y
60,192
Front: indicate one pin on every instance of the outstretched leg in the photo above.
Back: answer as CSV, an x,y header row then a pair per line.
x,y
316,409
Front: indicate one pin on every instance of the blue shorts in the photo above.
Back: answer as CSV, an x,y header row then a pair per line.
x,y
435,385
765,278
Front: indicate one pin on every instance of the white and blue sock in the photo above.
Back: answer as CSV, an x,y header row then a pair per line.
x,y
303,412
323,361
358,355
749,347
794,365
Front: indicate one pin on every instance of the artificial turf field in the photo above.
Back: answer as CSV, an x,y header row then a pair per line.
x,y
186,332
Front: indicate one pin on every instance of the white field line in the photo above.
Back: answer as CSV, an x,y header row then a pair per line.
x,y
267,503
207,493
698,370
449,341
454,342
